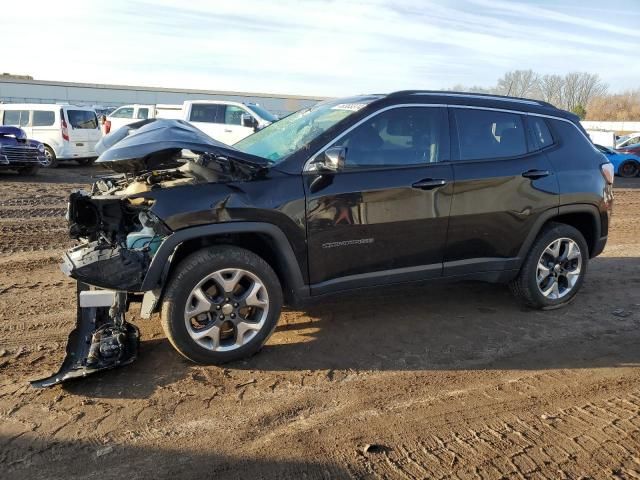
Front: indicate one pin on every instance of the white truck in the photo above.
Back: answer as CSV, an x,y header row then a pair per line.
x,y
225,121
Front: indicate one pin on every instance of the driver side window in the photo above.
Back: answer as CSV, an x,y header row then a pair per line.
x,y
397,137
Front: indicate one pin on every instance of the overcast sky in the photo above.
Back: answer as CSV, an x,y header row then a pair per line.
x,y
318,47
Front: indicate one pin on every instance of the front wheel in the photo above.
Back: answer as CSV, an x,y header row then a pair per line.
x,y
222,304
554,269
50,157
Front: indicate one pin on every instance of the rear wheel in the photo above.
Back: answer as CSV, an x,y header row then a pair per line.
x,y
629,169
222,304
554,269
50,157
29,170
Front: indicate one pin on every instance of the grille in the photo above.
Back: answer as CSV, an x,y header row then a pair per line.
x,y
20,154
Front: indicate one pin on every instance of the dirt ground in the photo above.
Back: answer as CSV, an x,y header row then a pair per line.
x,y
443,381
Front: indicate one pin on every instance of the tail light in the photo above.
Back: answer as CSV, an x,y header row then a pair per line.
x,y
63,123
607,172
107,126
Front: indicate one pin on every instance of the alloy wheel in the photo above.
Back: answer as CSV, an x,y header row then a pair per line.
x,y
559,268
226,309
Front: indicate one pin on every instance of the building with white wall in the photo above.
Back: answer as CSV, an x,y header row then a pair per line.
x,y
20,90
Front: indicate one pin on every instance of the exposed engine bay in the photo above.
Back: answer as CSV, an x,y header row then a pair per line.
x,y
118,233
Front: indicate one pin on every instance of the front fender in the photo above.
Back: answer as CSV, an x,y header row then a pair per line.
x,y
162,259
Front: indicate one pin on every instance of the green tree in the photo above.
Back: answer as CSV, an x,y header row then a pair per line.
x,y
580,111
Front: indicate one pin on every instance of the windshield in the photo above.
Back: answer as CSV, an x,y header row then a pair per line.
x,y
262,113
285,136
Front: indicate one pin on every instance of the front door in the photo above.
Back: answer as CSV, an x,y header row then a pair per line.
x,y
383,217
503,183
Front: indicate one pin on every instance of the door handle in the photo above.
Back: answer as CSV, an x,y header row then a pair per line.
x,y
535,174
429,183
226,130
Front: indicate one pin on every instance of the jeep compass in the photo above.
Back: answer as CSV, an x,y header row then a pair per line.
x,y
358,192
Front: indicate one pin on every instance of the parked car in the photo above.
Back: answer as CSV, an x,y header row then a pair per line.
x,y
625,164
630,149
628,140
225,121
19,153
367,191
68,132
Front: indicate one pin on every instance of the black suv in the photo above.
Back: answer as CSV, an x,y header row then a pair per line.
x,y
358,192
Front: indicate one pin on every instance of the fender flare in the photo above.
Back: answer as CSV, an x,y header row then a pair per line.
x,y
552,213
162,259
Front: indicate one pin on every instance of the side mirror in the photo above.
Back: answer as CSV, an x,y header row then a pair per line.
x,y
331,160
249,121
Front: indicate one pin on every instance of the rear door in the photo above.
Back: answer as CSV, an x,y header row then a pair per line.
x,y
45,128
84,131
209,117
383,217
503,183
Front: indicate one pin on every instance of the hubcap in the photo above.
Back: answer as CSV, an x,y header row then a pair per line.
x,y
226,309
48,157
559,268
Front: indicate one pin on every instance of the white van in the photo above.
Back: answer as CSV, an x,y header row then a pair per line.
x,y
68,132
225,121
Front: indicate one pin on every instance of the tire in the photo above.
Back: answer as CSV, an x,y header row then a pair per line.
x,y
51,157
629,169
533,292
221,340
85,161
29,170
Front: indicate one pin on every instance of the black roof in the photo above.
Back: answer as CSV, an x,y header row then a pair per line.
x,y
478,100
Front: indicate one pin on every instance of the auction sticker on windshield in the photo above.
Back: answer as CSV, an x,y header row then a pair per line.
x,y
354,107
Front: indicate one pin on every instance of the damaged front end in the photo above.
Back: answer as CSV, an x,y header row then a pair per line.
x,y
118,233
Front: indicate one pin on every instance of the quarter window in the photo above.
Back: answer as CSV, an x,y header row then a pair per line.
x,y
541,136
489,134
143,113
396,137
43,118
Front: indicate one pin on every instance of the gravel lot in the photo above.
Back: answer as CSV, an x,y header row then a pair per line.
x,y
408,384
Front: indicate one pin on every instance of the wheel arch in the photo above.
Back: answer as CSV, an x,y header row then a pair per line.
x,y
263,239
583,217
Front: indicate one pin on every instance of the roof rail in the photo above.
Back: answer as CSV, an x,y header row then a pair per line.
x,y
488,96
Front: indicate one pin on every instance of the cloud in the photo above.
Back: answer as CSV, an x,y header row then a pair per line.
x,y
317,47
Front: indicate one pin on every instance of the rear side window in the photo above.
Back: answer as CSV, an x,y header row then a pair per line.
x,y
82,119
489,134
125,112
43,118
143,113
207,112
16,118
397,137
540,134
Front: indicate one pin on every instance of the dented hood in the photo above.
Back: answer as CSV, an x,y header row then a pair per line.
x,y
157,143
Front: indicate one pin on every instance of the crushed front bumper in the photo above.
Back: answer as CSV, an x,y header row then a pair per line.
x,y
101,340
